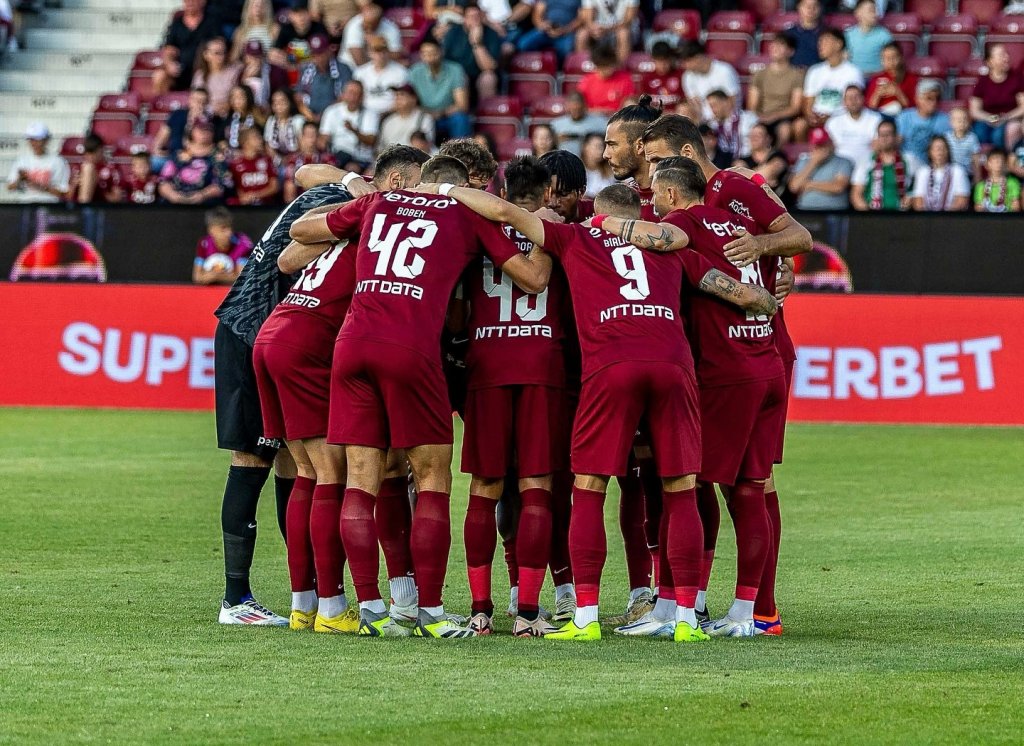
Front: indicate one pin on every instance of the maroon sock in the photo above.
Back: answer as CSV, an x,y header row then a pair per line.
x,y
710,518
634,536
300,547
431,540
765,604
561,509
328,550
533,546
685,539
480,533
753,536
588,545
652,509
666,581
359,533
393,517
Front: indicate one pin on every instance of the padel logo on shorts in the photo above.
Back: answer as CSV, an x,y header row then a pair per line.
x,y
269,442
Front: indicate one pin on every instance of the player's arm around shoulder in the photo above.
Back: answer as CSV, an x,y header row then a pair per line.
x,y
297,255
314,227
531,272
644,234
753,298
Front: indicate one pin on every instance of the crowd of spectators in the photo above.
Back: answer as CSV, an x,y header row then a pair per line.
x,y
833,119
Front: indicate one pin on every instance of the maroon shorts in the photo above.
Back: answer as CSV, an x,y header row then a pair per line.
x,y
741,426
615,400
523,426
294,385
387,396
788,365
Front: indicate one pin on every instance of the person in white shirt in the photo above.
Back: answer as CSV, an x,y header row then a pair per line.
x,y
38,176
406,120
380,76
853,129
826,81
941,186
701,76
611,21
349,130
369,22
732,124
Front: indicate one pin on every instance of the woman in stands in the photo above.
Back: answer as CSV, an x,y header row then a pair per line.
x,y
941,186
170,138
258,24
543,139
997,102
216,75
284,126
243,114
765,159
599,171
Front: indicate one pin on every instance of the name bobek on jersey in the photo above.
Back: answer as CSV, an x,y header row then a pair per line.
x,y
412,250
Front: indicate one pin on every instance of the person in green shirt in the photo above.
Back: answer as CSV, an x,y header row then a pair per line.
x,y
882,181
1000,192
441,86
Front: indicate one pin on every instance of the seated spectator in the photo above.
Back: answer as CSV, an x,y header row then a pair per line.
x,y
555,23
170,138
701,75
941,186
880,182
510,18
380,77
262,76
195,176
228,14
291,47
253,173
853,129
370,22
766,159
663,84
441,87
349,130
309,152
732,124
185,34
776,93
284,126
718,157
576,123
610,23
826,81
892,90
608,85
999,191
242,114
420,141
333,14
806,32
466,40
321,80
140,185
820,178
407,119
221,253
258,25
39,176
215,74
917,126
865,40
997,101
97,181
599,171
543,139
963,143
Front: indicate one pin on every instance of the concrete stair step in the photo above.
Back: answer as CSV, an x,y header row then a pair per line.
x,y
61,125
60,62
43,105
110,22
88,41
74,83
168,6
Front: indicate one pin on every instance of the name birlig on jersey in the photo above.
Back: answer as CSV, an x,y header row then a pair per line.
x,y
390,287
648,310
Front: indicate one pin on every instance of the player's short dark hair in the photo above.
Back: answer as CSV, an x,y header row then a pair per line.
x,y
218,216
567,168
683,174
443,169
401,158
677,131
477,159
691,49
835,34
526,178
635,117
604,55
618,200
92,143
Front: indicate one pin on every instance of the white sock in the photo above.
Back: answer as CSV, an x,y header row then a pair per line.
x,y
332,606
664,609
435,611
304,601
634,593
376,606
566,589
403,590
513,597
702,604
741,611
584,616
686,614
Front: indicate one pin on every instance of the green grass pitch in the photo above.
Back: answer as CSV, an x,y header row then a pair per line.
x,y
900,589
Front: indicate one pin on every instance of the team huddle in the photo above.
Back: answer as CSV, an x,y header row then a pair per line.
x,y
638,336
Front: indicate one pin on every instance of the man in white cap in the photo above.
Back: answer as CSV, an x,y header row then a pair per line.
x,y
39,176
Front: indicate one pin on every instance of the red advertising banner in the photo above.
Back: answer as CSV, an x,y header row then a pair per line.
x,y
862,358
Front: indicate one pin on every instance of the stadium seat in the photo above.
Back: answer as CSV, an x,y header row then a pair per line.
x,y
639,63
948,105
575,67
140,77
500,117
1008,31
928,11
543,110
410,22
72,147
532,75
148,60
749,64
685,23
984,11
730,34
126,147
116,115
963,83
906,30
111,130
761,8
954,40
841,21
169,102
927,67
511,148
121,104
774,25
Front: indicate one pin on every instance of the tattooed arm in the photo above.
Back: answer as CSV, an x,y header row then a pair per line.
x,y
647,235
751,298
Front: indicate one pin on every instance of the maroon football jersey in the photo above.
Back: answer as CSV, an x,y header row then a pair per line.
x,y
664,89
736,193
141,191
412,250
252,175
297,160
646,201
515,337
323,292
626,300
730,345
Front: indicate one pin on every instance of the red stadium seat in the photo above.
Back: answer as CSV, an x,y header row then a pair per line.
x,y
984,11
154,121
685,23
928,11
749,64
954,40
730,34
1008,31
948,106
906,30
120,104
532,75
169,102
148,60
575,67
927,67
111,130
500,117
761,8
72,147
126,147
639,63
774,25
410,22
511,148
116,116
963,83
543,110
841,21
